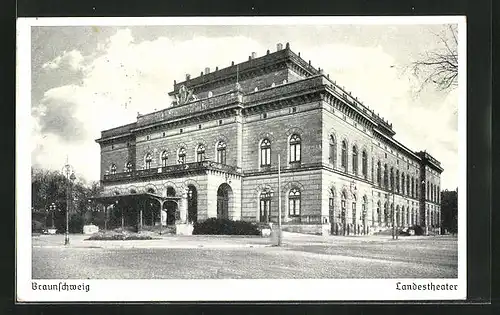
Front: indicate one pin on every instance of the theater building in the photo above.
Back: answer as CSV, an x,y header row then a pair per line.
x,y
214,153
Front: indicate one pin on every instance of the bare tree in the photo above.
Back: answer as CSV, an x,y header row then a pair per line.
x,y
439,67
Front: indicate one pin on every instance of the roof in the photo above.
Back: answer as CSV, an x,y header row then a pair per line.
x,y
110,199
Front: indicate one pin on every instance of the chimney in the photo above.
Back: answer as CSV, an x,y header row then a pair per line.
x,y
267,52
279,46
299,53
254,55
175,82
216,68
232,63
201,74
188,76
207,70
287,45
249,57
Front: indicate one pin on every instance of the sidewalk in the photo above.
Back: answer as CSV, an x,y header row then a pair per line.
x,y
164,241
218,241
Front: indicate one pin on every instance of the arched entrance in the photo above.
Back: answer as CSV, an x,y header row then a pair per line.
x,y
224,195
192,204
170,206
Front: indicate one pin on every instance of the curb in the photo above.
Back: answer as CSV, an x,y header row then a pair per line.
x,y
117,246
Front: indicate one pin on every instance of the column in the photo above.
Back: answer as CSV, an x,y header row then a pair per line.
x,y
183,206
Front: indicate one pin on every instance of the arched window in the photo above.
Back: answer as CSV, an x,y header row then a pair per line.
x,y
170,191
343,160
265,152
181,156
403,186
128,167
364,164
332,152
294,202
397,180
221,152
265,206
148,160
164,158
355,160
379,174
113,168
200,153
295,143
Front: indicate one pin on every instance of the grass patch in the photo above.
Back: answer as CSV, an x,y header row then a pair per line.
x,y
115,236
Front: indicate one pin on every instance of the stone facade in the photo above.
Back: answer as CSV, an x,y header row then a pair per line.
x,y
341,169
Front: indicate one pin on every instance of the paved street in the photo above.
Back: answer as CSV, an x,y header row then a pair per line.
x,y
197,257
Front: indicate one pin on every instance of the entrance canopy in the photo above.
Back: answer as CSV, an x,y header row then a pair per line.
x,y
111,199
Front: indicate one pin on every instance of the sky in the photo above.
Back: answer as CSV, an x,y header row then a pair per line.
x,y
86,79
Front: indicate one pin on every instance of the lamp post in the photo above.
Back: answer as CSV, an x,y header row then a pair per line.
x,y
52,208
70,176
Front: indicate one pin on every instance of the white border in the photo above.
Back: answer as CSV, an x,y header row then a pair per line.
x,y
217,290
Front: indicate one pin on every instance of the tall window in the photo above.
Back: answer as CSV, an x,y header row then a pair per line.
x,y
364,164
148,160
364,209
379,174
386,213
265,152
295,148
355,160
403,183
386,176
294,202
164,158
332,154
200,153
344,155
407,184
392,178
343,208
221,152
439,195
128,167
412,187
113,169
181,156
427,190
354,210
379,215
397,180
265,206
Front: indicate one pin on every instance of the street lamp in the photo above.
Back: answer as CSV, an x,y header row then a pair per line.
x,y
52,208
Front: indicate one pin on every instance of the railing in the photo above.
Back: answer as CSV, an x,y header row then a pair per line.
x,y
173,169
118,131
283,90
189,108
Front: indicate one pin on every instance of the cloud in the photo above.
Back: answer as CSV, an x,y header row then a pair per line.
x,y
72,59
126,76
